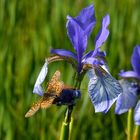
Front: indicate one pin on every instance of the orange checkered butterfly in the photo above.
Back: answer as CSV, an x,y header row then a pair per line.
x,y
56,93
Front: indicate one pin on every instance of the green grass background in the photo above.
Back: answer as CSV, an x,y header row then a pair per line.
x,y
28,29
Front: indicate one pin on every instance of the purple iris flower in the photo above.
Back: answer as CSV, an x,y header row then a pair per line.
x,y
103,89
78,30
129,97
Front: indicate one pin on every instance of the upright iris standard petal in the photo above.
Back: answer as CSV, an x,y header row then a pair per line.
x,y
63,52
86,19
135,60
103,33
137,114
103,89
128,98
77,36
78,39
41,77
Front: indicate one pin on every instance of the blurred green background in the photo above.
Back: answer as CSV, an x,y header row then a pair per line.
x,y
28,28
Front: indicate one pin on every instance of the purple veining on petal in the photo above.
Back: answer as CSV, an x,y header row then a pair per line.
x,y
63,52
103,33
103,89
135,60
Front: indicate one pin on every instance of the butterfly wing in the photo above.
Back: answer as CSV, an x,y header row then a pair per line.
x,y
55,86
103,89
44,103
34,108
54,89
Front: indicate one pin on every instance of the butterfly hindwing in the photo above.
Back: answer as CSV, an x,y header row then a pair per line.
x,y
35,107
44,103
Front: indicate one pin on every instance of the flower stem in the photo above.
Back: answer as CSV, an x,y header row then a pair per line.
x,y
129,124
65,130
135,134
68,121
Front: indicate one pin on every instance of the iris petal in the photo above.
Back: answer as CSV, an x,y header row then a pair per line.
x,y
103,33
127,99
78,39
92,54
86,19
41,77
129,74
77,36
103,89
137,114
135,59
89,54
93,61
63,52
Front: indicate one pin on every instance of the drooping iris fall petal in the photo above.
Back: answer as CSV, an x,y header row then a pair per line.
x,y
41,77
103,89
128,98
137,114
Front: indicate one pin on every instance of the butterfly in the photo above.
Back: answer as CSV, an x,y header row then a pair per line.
x,y
57,93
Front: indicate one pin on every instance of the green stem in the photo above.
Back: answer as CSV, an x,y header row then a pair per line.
x,y
135,134
64,131
129,124
68,121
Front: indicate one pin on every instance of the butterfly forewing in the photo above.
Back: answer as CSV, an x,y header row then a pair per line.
x,y
55,86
